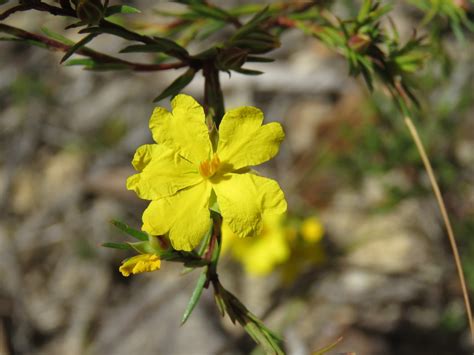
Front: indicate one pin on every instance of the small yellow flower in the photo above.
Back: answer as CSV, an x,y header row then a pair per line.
x,y
312,230
140,263
181,173
259,255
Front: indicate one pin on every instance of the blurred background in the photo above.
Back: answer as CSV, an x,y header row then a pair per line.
x,y
367,257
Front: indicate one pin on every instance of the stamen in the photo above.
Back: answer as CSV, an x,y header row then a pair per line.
x,y
208,167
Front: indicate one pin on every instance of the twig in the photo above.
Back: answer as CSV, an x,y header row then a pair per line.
x,y
39,6
447,222
12,10
99,57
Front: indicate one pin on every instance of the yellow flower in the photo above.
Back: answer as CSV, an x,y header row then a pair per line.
x,y
140,263
259,255
312,230
184,172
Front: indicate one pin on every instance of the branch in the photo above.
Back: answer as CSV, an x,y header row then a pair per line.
x,y
39,6
97,56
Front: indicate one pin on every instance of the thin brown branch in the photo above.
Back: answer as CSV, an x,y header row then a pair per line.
x,y
12,10
39,6
87,52
447,222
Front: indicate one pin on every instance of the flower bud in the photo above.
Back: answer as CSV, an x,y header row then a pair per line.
x,y
359,42
258,42
231,58
462,4
90,11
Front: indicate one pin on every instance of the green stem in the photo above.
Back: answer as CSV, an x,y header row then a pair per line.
x,y
213,97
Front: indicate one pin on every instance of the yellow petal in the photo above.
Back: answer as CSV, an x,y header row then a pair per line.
x,y
244,198
184,130
140,263
185,216
144,154
163,172
243,141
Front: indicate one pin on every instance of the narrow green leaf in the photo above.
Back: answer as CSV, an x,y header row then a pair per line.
x,y
161,45
130,231
121,9
252,24
324,350
176,86
256,59
205,241
143,247
78,45
75,25
364,10
259,17
246,9
210,12
80,61
208,29
122,246
195,296
112,31
144,48
248,71
56,36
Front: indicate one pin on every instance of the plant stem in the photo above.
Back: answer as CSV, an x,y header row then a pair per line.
x,y
90,53
213,97
447,222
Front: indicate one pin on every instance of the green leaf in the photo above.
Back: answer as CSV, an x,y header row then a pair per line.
x,y
364,10
248,71
81,61
176,86
205,241
123,246
120,9
78,45
208,29
220,304
210,12
161,45
143,247
324,350
195,296
256,59
252,24
119,32
130,231
75,25
56,36
259,17
246,9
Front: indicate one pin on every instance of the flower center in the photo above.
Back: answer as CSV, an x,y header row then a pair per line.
x,y
208,167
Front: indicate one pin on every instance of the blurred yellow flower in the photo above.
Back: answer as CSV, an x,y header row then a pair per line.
x,y
259,255
285,242
140,263
312,230
184,172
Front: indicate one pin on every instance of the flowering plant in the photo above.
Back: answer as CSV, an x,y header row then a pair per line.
x,y
198,174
